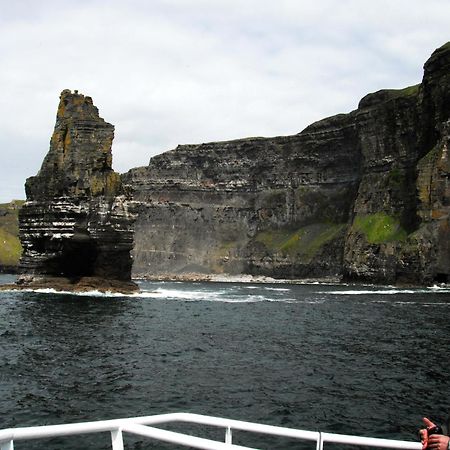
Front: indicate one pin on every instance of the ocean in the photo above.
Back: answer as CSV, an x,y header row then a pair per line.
x,y
351,359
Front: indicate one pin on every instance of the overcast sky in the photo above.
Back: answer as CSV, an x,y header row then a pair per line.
x,y
176,72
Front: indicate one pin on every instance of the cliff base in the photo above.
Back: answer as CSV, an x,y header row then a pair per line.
x,y
75,285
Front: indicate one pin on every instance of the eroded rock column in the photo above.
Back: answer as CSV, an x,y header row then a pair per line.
x,y
75,222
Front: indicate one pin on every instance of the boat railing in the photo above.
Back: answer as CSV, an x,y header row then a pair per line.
x,y
145,427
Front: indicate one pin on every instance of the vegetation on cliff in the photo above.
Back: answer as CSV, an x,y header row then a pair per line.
x,y
10,247
303,243
380,228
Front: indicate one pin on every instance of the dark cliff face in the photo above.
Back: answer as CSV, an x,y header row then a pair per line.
x,y
241,206
362,195
75,221
394,235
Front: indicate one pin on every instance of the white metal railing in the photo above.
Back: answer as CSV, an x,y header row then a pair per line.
x,y
141,426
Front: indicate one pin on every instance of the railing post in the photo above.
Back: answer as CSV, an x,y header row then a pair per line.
x,y
319,442
7,445
228,436
116,439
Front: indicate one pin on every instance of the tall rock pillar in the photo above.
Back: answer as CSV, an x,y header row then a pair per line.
x,y
75,223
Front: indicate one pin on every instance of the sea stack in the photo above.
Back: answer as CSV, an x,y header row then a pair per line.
x,y
75,227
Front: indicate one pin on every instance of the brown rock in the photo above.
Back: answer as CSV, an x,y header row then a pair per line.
x,y
75,222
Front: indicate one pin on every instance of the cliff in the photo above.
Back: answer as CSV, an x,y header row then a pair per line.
x,y
75,224
360,196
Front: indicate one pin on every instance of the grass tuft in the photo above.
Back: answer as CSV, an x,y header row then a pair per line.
x,y
304,242
380,228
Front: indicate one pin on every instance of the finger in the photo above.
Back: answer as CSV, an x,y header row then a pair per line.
x,y
428,423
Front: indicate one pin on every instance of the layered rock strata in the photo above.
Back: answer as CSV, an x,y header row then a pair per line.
x,y
75,223
360,196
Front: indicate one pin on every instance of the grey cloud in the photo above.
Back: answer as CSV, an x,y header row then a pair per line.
x,y
179,71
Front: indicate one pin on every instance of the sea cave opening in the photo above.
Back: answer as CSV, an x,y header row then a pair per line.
x,y
78,258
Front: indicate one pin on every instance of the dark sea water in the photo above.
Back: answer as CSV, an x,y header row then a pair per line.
x,y
345,359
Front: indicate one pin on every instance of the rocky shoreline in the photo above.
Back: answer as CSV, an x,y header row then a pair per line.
x,y
75,285
224,278
260,279
93,285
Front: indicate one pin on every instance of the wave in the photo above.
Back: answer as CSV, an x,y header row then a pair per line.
x,y
387,291
167,294
370,292
157,294
440,287
225,296
247,294
52,291
277,289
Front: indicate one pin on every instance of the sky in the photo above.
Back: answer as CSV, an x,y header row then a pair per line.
x,y
169,72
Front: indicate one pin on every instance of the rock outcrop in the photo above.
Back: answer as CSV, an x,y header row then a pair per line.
x,y
360,196
75,223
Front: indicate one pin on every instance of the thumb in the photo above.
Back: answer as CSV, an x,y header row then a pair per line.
x,y
428,423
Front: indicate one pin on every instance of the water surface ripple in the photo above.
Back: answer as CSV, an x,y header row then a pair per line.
x,y
346,359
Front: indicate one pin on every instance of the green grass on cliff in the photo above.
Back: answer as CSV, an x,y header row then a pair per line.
x,y
10,248
304,242
405,92
380,228
396,178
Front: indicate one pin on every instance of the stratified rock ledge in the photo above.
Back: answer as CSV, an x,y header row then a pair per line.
x,y
84,284
75,228
363,197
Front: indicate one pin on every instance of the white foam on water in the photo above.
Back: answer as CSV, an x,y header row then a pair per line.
x,y
439,288
93,293
370,292
234,295
223,296
421,303
296,301
173,294
393,291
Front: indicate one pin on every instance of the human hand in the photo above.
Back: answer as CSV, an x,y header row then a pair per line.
x,y
433,441
438,442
